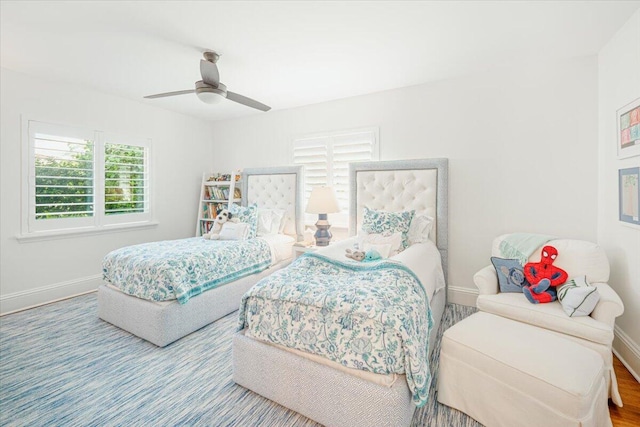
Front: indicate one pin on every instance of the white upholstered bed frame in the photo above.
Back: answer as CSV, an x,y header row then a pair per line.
x,y
164,323
318,391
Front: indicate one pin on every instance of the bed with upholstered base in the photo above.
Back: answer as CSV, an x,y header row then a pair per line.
x,y
321,389
162,323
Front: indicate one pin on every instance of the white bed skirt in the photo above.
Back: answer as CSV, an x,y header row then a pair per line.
x,y
162,324
319,392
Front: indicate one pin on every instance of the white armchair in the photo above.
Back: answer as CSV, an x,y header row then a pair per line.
x,y
577,258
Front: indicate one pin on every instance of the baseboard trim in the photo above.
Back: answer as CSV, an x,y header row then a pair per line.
x,y
627,351
463,296
31,298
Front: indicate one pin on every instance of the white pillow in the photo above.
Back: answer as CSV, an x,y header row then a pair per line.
x,y
265,220
394,240
270,221
419,229
578,297
278,221
234,231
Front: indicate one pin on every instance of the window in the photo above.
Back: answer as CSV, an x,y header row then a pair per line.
x,y
326,161
82,179
125,179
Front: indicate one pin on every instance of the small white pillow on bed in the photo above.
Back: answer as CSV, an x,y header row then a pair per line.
x,y
420,229
270,221
277,221
394,240
264,222
234,231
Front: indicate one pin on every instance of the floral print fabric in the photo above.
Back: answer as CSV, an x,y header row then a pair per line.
x,y
381,222
372,317
181,269
248,214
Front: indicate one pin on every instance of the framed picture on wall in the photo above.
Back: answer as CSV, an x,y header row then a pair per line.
x,y
628,126
629,195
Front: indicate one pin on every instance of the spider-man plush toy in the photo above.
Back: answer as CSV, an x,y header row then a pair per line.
x,y
544,277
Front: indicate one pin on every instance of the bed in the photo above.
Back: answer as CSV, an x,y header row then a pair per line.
x,y
163,322
332,392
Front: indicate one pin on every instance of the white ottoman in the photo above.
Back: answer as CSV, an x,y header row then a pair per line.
x,y
507,373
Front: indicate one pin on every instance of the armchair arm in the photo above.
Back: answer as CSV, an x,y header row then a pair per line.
x,y
486,280
609,307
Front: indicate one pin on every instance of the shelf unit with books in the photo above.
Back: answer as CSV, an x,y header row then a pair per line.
x,y
218,191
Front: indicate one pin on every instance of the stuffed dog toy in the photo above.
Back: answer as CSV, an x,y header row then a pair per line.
x,y
222,217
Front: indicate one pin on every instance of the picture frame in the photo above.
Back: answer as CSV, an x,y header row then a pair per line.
x,y
629,195
628,130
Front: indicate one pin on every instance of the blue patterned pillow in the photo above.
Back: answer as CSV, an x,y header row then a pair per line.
x,y
510,274
248,214
381,222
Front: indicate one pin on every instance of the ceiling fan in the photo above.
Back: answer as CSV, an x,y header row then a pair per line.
x,y
210,90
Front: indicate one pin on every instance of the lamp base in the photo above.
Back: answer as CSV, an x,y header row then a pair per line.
x,y
323,235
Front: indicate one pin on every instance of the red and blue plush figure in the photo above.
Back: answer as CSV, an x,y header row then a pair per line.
x,y
544,277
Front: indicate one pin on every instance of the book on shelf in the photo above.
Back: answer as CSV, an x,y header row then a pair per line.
x,y
210,209
216,193
206,226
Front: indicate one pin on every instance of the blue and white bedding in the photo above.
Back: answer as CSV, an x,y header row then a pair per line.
x,y
373,317
182,269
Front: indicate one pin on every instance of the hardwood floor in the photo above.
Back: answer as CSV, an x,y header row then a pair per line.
x,y
629,414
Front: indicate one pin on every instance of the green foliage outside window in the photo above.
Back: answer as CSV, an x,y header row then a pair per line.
x,y
64,184
124,179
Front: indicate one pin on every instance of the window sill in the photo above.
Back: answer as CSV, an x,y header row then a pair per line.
x,y
67,234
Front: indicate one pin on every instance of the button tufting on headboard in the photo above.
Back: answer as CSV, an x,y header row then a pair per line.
x,y
397,190
272,190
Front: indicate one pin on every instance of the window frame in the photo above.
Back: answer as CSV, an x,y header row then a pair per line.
x,y
341,219
32,229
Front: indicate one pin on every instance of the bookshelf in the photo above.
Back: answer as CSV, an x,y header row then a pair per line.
x,y
218,191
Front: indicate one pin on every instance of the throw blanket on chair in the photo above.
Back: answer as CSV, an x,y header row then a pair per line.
x,y
521,245
373,317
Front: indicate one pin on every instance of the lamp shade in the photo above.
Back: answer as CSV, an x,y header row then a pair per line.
x,y
322,201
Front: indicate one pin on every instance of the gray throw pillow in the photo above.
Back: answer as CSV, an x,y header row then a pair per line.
x,y
510,274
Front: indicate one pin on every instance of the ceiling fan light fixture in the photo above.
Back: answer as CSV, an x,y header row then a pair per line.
x,y
209,97
209,94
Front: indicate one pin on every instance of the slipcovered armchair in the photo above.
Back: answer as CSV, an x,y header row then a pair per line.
x,y
577,258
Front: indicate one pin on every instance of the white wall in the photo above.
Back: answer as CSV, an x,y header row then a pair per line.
x,y
37,272
521,143
619,84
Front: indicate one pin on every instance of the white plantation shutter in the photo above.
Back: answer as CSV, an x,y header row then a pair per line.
x,y
126,179
313,154
76,180
60,182
326,161
63,184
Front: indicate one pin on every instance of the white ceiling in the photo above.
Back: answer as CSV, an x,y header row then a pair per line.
x,y
288,54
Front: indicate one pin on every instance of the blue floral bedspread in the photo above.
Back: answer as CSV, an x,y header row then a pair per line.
x,y
373,317
181,269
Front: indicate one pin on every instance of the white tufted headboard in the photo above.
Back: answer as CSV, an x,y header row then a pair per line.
x,y
403,185
277,188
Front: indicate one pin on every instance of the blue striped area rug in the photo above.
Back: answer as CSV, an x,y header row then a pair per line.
x,y
62,366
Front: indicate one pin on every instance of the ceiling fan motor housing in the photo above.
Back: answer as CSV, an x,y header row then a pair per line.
x,y
203,87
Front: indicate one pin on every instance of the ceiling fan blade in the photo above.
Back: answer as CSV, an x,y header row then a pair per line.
x,y
162,95
240,99
209,72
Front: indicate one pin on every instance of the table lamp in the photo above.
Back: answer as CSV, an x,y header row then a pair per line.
x,y
322,202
